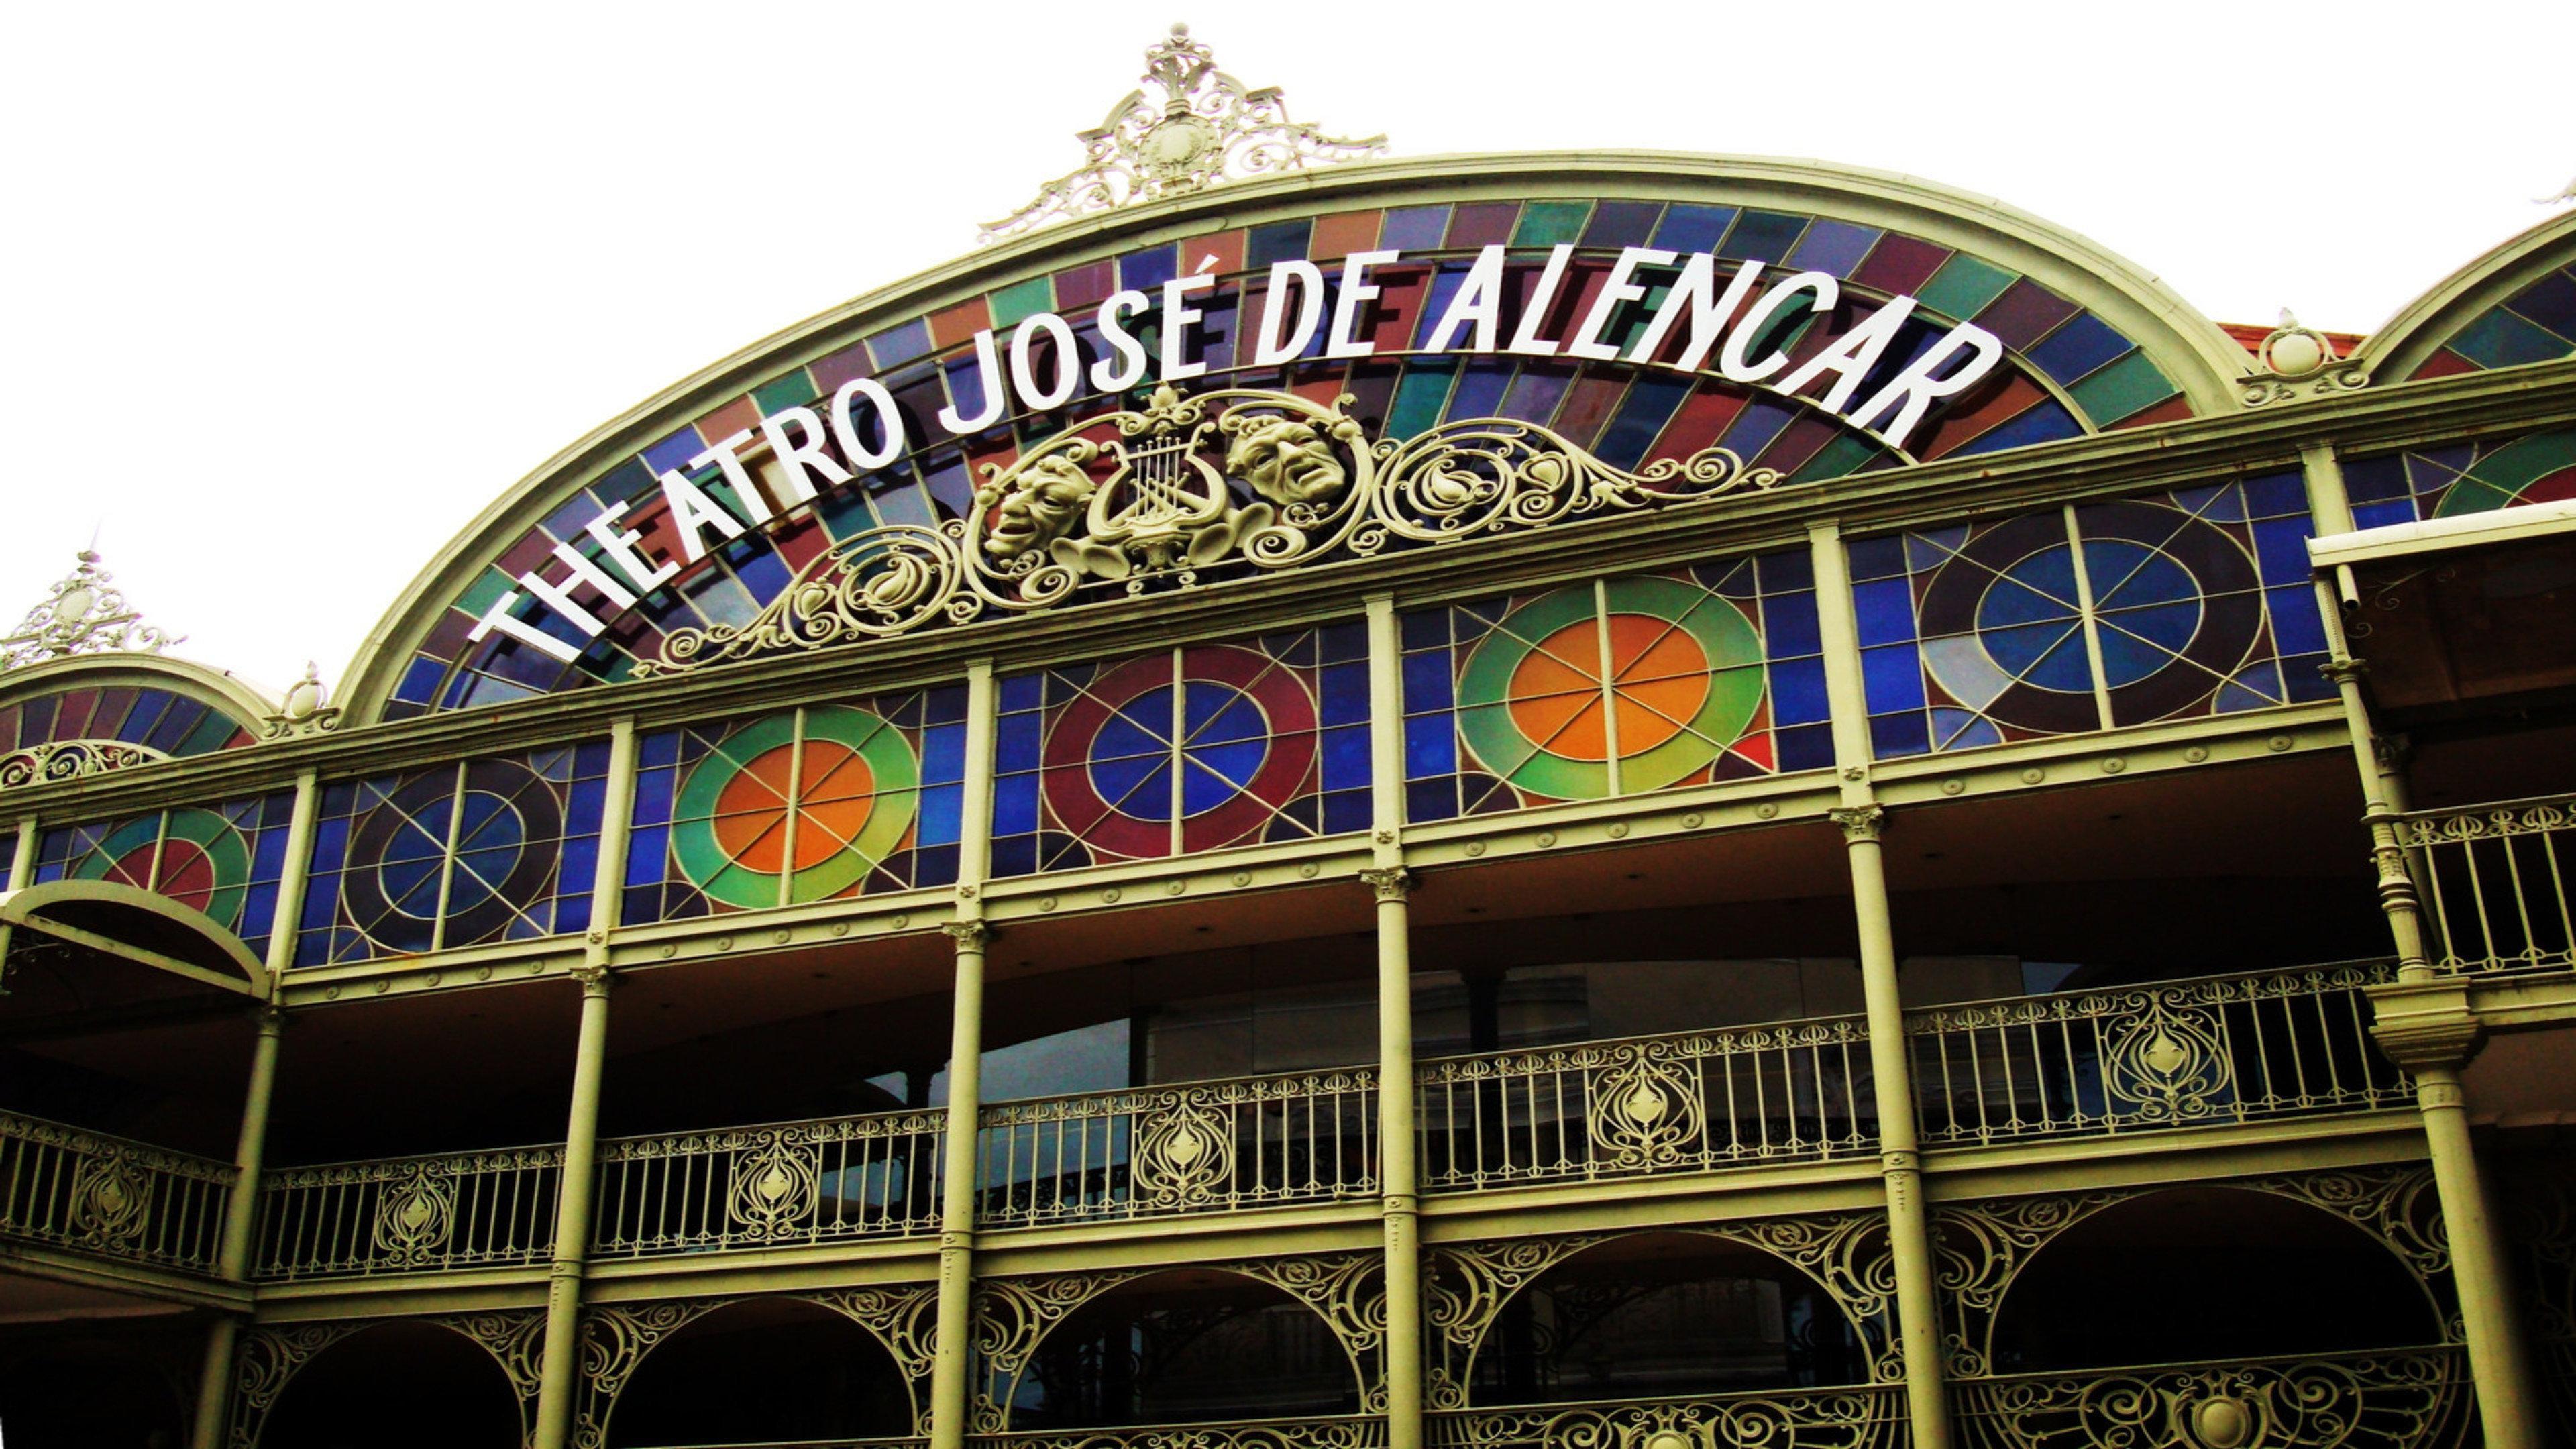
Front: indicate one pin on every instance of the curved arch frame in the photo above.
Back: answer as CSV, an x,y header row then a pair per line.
x,y
1866,1314
2199,357
1970,1342
271,1359
26,908
1040,1306
2420,328
227,694
618,1338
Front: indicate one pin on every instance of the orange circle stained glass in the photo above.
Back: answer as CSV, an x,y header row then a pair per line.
x,y
1658,679
752,810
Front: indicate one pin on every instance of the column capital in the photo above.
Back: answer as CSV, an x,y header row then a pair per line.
x,y
1860,822
969,935
1393,883
595,978
2346,670
270,1018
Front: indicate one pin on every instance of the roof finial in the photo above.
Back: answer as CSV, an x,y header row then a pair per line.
x,y
2565,193
84,613
1200,127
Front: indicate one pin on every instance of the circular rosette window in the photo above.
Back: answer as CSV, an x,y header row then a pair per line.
x,y
503,819
204,863
2175,610
760,824
1664,679
1224,749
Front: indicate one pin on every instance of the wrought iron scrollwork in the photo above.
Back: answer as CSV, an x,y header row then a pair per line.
x,y
906,1321
71,760
516,1339
1857,1418
2390,1400
266,1361
614,1339
1162,495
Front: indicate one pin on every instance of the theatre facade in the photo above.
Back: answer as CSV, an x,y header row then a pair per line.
x,y
1557,801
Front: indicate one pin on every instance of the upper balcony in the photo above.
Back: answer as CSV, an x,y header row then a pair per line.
x,y
2071,1067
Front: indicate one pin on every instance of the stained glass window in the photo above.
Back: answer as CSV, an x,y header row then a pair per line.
x,y
2178,604
2452,479
1183,751
2068,371
160,720
807,804
1615,687
224,860
503,848
2536,324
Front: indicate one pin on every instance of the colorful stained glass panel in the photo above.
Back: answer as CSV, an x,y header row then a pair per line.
x,y
809,804
2448,480
1617,687
2174,605
501,848
223,861
1188,750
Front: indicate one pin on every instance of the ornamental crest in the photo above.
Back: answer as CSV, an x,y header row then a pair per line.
x,y
84,613
1183,490
1197,127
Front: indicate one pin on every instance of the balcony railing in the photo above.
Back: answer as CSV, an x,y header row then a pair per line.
x,y
1690,1102
1871,1417
2396,1399
109,1196
2493,880
764,1187
2151,1058
1300,1137
1335,1432
409,1215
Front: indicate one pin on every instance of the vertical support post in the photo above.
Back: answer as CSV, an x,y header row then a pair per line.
x,y
250,1147
1399,1171
22,869
559,1361
952,1361
2426,1025
1909,1231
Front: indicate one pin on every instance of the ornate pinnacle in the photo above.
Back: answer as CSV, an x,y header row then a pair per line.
x,y
1198,126
84,613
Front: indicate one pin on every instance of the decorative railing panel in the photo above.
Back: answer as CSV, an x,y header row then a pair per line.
x,y
1348,1432
1192,1147
2151,1058
109,1196
2402,1399
764,1187
409,1215
1692,1102
1853,1418
2493,880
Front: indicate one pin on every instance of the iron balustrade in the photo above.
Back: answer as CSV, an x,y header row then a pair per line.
x,y
1690,1102
1861,1417
409,1214
1295,1137
786,1184
105,1195
2391,1399
2151,1058
2493,883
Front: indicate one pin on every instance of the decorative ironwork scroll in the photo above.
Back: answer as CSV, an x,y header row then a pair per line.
x,y
1347,1291
516,1339
2386,1400
1855,1418
614,1340
1333,1433
906,1321
71,760
1199,127
408,1214
1166,495
108,1196
84,613
266,1361
1012,1316
1465,1285
2494,880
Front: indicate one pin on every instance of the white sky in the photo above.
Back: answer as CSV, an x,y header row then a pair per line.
x,y
290,293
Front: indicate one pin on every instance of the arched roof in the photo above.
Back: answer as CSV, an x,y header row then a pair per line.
x,y
2512,306
138,925
2092,341
91,712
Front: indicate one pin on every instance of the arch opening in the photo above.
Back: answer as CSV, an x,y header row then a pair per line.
x,y
764,1371
2203,1273
396,1386
1191,1346
1663,1315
